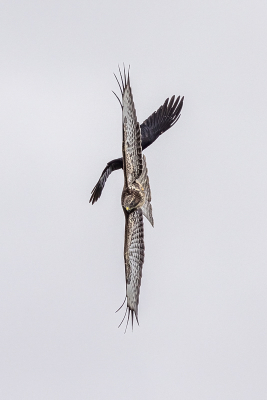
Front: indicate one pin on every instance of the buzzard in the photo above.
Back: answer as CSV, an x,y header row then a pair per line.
x,y
136,194
158,122
135,199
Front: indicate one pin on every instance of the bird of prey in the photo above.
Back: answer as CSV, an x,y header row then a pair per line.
x,y
136,194
135,198
158,122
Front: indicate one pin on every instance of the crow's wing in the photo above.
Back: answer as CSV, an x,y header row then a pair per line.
x,y
111,166
161,120
158,122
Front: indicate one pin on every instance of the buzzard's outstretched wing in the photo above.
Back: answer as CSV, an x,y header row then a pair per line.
x,y
131,141
134,250
111,166
161,120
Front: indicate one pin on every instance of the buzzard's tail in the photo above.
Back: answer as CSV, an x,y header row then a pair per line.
x,y
144,182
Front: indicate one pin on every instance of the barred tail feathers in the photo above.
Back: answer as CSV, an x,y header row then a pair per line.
x,y
144,182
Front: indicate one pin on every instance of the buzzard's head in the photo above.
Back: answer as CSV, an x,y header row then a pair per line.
x,y
132,201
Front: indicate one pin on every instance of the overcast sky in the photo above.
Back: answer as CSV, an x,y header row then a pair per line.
x,y
202,311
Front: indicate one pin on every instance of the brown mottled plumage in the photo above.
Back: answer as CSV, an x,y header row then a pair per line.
x,y
136,195
135,199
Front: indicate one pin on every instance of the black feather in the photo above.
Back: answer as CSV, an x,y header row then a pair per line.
x,y
159,122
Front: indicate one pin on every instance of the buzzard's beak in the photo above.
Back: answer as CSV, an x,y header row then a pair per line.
x,y
127,208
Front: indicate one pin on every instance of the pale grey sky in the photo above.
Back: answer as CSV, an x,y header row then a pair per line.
x,y
202,311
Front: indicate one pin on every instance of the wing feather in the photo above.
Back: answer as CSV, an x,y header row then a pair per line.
x,y
157,123
134,251
161,120
111,166
131,144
